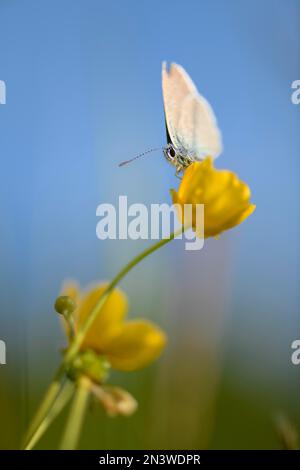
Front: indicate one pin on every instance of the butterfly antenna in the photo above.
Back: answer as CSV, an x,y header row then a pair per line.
x,y
139,156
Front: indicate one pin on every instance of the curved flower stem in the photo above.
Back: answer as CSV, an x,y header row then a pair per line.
x,y
60,402
76,415
55,386
80,335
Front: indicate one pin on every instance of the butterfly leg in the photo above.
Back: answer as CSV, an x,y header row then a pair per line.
x,y
178,170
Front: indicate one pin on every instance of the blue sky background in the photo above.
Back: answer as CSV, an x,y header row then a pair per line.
x,y
83,93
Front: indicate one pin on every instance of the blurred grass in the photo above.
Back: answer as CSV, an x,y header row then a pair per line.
x,y
243,417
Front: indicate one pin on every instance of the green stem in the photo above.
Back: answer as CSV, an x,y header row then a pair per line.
x,y
58,405
76,415
80,335
48,400
54,388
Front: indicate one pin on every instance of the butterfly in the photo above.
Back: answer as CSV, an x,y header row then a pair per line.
x,y
191,126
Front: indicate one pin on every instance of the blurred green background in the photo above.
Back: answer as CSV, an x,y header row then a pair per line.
x,y
83,94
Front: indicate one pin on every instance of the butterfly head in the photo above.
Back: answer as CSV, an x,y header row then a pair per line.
x,y
177,157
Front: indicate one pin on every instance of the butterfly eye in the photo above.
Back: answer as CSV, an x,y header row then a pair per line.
x,y
171,153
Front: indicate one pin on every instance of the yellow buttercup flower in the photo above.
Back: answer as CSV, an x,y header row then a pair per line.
x,y
226,199
126,344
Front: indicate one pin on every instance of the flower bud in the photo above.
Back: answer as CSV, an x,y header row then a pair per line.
x,y
64,305
115,400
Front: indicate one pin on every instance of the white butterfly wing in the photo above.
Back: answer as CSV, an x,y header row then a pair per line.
x,y
190,119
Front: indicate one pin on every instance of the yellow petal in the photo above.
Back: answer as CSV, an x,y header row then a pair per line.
x,y
138,344
71,289
109,320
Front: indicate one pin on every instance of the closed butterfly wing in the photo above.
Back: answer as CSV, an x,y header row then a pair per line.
x,y
190,120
